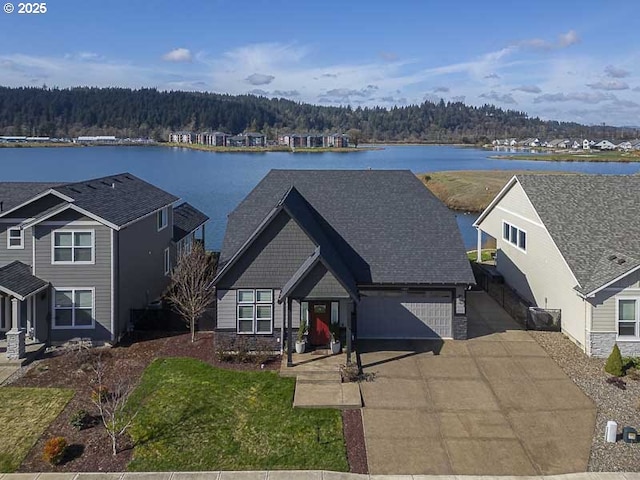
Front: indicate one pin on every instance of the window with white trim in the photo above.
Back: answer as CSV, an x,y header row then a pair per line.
x,y
15,238
255,311
73,246
629,317
163,218
167,261
514,235
73,308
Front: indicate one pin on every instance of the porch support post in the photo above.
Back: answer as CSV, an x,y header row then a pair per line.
x,y
289,333
203,239
15,314
479,246
15,336
349,321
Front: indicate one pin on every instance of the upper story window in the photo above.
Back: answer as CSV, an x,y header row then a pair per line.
x,y
15,238
73,246
515,236
163,218
629,317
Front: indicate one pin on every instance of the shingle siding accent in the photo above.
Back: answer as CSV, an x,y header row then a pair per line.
x,y
272,259
319,283
226,304
97,276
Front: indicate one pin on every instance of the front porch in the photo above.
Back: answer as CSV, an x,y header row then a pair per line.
x,y
32,350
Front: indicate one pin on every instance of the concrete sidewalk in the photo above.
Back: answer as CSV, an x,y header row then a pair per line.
x,y
297,475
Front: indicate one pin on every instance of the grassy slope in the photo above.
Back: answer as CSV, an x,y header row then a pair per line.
x,y
470,190
198,417
579,156
25,413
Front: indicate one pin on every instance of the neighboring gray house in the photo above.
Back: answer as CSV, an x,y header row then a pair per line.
x,y
572,242
374,251
76,257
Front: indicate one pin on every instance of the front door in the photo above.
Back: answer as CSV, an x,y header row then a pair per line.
x,y
320,315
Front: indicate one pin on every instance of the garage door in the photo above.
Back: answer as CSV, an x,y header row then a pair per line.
x,y
427,315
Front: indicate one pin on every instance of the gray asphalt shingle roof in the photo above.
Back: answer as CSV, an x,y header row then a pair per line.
x,y
186,219
13,194
385,226
16,279
118,199
593,219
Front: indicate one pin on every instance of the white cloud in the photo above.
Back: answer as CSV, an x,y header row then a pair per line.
x,y
441,89
259,79
178,55
611,85
528,89
583,97
568,39
564,40
615,72
499,97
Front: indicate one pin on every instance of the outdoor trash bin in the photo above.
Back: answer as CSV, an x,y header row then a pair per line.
x,y
629,435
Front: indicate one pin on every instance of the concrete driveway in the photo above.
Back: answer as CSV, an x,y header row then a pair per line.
x,y
495,404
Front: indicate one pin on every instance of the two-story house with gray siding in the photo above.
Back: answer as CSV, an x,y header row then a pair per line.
x,y
75,258
572,242
372,251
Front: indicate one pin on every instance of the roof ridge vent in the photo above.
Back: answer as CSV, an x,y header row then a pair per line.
x,y
611,258
621,261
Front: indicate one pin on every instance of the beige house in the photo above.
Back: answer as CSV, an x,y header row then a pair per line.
x,y
572,242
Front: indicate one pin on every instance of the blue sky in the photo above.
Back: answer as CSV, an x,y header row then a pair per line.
x,y
554,59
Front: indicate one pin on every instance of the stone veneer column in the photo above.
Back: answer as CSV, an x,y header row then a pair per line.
x,y
459,327
15,336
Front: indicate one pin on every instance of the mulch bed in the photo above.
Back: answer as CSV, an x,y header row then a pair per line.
x,y
91,447
354,438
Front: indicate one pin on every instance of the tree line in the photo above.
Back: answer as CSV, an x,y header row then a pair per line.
x,y
148,112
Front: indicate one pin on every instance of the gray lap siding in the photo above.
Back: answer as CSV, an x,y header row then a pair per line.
x,y
96,276
25,255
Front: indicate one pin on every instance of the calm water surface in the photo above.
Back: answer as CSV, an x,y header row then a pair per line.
x,y
216,182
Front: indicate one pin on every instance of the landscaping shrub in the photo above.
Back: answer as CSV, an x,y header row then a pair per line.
x,y
54,450
79,420
99,394
614,363
243,349
633,374
352,373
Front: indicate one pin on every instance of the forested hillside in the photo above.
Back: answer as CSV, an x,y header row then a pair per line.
x,y
152,113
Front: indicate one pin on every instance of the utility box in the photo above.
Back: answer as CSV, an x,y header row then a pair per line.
x,y
611,432
630,435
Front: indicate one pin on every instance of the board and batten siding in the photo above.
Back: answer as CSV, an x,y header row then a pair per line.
x,y
273,257
226,310
603,305
96,276
25,255
140,265
540,275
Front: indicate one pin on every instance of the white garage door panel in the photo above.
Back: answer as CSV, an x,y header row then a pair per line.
x,y
428,316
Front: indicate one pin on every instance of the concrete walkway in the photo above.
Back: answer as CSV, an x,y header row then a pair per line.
x,y
319,383
295,475
495,404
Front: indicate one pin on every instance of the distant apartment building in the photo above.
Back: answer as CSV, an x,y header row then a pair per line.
x,y
214,139
96,139
314,140
247,140
182,137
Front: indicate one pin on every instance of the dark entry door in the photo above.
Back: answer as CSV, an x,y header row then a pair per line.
x,y
320,315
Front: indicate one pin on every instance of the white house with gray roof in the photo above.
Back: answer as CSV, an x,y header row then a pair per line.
x,y
75,258
373,251
572,242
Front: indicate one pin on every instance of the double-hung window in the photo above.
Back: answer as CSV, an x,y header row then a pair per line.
x,y
73,308
73,246
629,317
515,236
15,238
163,218
255,311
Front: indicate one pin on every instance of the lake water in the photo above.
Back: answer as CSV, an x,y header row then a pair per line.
x,y
216,182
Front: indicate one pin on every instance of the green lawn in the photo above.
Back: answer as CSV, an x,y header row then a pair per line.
x,y
486,254
25,413
197,417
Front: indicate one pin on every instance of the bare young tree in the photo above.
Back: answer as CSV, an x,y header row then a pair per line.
x,y
110,401
191,291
